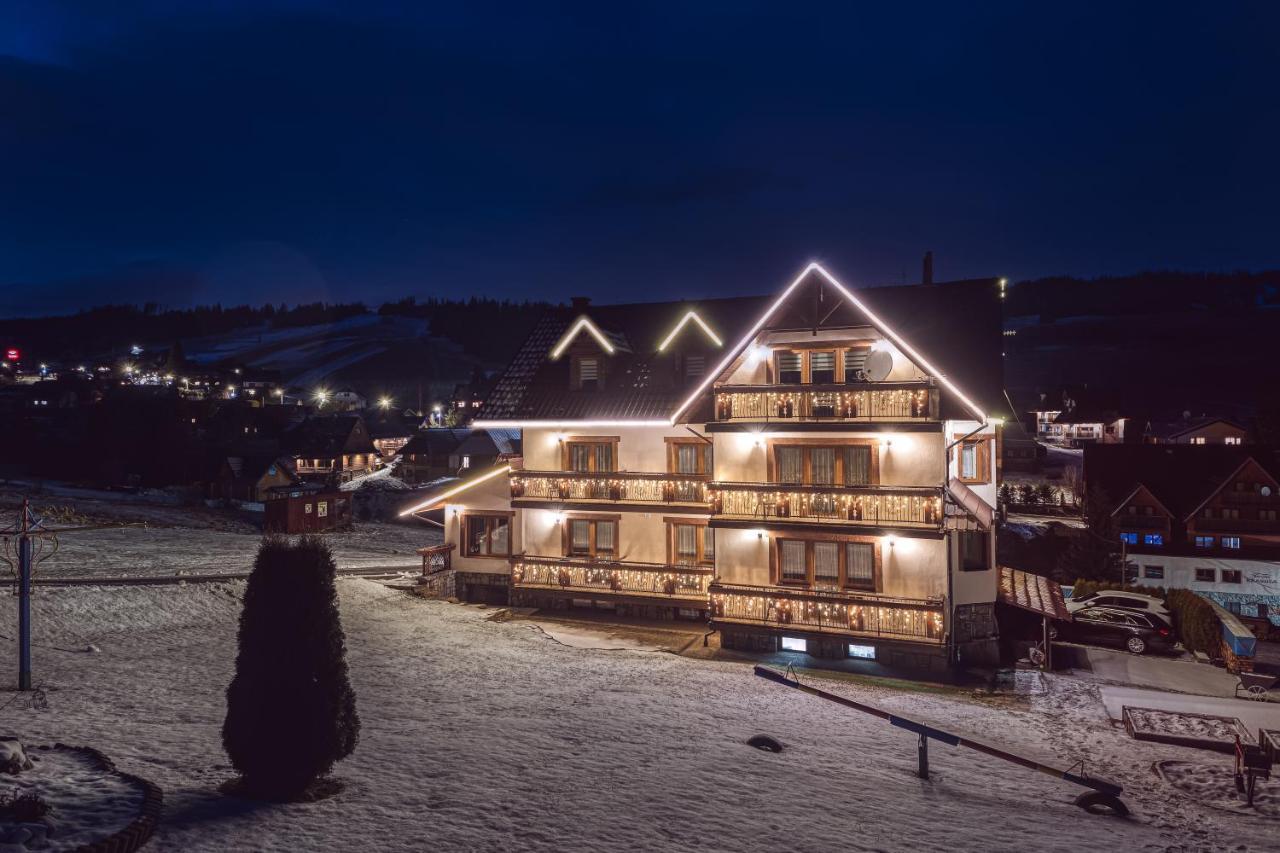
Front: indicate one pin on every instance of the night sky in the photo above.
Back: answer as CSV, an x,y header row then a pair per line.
x,y
294,151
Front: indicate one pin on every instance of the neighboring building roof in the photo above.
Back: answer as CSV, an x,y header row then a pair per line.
x,y
435,441
390,426
255,466
329,436
1179,476
956,326
1172,430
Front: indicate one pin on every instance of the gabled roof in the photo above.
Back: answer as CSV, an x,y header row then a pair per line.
x,y
435,441
1138,490
1174,429
439,496
954,327
328,436
1181,477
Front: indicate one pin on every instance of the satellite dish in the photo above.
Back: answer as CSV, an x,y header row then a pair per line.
x,y
1266,491
878,365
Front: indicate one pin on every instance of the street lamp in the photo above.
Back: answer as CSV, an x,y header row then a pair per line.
x,y
384,403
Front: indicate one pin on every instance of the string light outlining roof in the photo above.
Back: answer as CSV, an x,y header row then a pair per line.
x,y
584,322
456,490
692,315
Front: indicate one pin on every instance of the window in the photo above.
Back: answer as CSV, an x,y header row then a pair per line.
x,y
1266,515
822,367
1204,541
591,537
1206,575
1129,538
862,652
1229,512
1199,439
841,464
694,366
590,454
790,368
1154,539
973,551
1153,572
1231,542
1231,576
691,544
1231,439
486,535
829,563
855,364
795,644
588,373
689,456
307,509
322,509
973,460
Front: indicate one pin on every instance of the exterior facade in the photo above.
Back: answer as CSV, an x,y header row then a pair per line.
x,y
792,469
1200,432
307,511
1200,518
331,448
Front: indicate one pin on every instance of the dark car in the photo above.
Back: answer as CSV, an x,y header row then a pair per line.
x,y
1112,626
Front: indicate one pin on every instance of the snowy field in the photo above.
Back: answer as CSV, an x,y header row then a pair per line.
x,y
486,735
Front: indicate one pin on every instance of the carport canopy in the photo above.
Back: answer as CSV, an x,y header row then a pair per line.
x,y
1035,593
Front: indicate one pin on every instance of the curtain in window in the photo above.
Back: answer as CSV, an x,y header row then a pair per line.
x,y
790,465
969,461
826,563
687,458
708,543
605,536
475,535
857,466
580,536
791,558
822,464
860,564
604,456
686,543
501,533
579,457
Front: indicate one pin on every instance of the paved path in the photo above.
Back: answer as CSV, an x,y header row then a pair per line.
x,y
1254,715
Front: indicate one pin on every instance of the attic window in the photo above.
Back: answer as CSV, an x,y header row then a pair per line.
x,y
855,363
822,367
789,368
695,366
587,370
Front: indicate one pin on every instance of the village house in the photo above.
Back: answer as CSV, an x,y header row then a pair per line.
x,y
1076,417
812,471
254,477
331,447
1200,518
443,452
390,433
1201,431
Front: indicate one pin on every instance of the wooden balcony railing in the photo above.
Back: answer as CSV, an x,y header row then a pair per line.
x,y
882,401
685,583
436,558
895,506
861,614
637,487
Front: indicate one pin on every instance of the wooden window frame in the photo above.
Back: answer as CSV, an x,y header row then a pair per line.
x,y
961,537
588,439
772,445
706,459
775,561
805,351
566,541
983,443
672,522
464,539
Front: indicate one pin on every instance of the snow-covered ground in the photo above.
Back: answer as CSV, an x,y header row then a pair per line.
x,y
491,735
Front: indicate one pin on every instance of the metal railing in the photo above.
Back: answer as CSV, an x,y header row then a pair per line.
x,y
899,506
612,487
884,401
863,614
612,577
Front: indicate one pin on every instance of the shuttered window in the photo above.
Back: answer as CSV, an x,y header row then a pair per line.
x,y
822,368
789,368
855,362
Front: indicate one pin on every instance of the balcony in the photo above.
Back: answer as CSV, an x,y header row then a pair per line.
x,y
869,506
852,403
682,585
851,613
616,487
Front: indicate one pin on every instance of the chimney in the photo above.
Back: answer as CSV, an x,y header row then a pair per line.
x,y
927,278
579,303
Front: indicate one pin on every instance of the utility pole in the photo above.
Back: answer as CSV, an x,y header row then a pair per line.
x,y
24,599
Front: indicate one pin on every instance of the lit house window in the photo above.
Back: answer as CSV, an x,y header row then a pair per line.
x,y
1129,538
1204,541
1154,539
1231,439
1199,439
486,535
591,537
1231,542
973,460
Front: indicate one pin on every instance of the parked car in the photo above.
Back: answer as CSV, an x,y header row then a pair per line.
x,y
1113,626
1123,600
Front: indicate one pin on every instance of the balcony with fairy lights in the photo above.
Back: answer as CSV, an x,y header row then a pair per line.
x,y
649,583
828,612
619,489
851,403
909,507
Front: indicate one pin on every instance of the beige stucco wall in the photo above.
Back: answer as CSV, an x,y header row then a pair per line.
x,y
642,535
640,448
492,494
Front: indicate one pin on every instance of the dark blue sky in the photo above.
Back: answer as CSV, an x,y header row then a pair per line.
x,y
246,151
